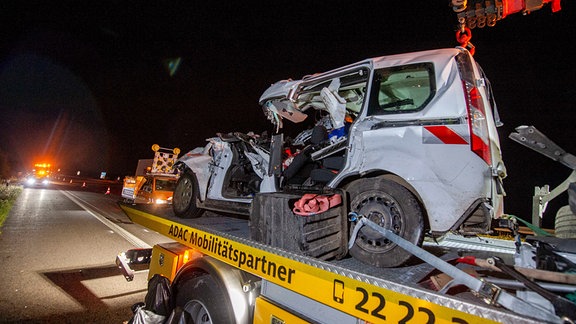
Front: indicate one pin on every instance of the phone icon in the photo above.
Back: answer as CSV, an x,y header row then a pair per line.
x,y
338,292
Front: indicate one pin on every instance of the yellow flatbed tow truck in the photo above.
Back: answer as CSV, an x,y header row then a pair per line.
x,y
274,267
218,273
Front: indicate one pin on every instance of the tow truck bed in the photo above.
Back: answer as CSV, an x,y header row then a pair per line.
x,y
373,292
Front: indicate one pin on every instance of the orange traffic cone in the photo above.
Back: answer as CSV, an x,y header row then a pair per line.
x,y
107,191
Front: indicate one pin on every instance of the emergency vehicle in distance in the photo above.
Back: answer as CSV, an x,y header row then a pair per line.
x,y
40,175
154,180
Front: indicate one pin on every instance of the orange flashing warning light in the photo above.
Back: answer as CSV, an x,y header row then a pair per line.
x,y
186,257
42,169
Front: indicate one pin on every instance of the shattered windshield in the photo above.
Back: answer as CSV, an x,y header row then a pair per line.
x,y
402,89
340,96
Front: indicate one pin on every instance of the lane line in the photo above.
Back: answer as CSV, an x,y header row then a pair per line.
x,y
117,229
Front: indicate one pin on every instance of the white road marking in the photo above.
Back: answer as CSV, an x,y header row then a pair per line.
x,y
122,232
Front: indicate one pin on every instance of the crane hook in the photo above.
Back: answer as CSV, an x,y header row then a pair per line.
x,y
463,36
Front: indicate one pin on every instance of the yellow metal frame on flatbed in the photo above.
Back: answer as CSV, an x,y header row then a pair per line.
x,y
358,298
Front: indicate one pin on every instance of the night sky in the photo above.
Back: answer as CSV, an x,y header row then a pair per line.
x,y
85,82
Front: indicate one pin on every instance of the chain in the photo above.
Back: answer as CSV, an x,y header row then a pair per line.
x,y
464,35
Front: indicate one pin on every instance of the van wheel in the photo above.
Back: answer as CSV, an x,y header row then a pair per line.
x,y
185,195
391,206
565,223
205,300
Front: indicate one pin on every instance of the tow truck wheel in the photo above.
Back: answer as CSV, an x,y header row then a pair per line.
x,y
391,206
184,198
204,299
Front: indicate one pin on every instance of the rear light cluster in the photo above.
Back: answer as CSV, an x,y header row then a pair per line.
x,y
480,138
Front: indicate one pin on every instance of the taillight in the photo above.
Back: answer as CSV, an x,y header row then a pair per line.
x,y
479,135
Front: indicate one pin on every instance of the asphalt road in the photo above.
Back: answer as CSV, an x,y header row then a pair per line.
x,y
57,252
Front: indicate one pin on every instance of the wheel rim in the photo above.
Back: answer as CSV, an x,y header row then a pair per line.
x,y
198,312
383,210
184,193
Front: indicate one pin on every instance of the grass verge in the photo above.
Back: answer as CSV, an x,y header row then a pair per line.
x,y
8,195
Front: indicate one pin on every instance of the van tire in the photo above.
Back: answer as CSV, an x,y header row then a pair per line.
x,y
204,298
565,223
185,196
392,206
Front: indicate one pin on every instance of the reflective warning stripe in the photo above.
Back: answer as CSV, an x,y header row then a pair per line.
x,y
442,134
360,298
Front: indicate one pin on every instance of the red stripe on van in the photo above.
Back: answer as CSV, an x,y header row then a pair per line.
x,y
446,135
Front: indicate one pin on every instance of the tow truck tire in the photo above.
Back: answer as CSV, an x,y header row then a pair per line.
x,y
393,207
204,299
565,223
185,195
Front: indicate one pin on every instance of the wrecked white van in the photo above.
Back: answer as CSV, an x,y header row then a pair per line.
x,y
411,138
